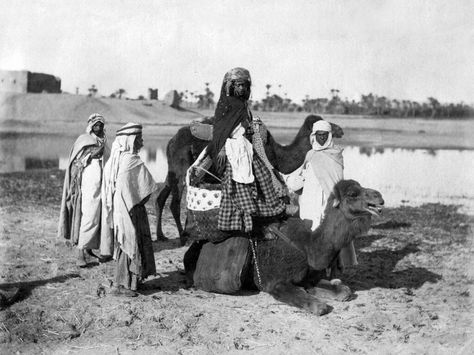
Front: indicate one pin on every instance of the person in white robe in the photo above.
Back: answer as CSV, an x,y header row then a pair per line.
x,y
80,216
127,187
324,167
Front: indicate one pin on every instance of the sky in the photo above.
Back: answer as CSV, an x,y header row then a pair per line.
x,y
401,49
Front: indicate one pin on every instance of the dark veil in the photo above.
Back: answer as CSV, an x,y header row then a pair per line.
x,y
230,111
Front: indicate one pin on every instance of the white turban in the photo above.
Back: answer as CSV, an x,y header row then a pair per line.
x,y
92,120
322,125
325,126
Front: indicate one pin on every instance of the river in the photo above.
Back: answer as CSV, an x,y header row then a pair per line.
x,y
403,176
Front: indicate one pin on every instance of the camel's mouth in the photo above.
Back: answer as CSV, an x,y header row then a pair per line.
x,y
373,209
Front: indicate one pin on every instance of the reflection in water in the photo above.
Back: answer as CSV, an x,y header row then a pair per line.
x,y
155,160
37,163
369,150
413,175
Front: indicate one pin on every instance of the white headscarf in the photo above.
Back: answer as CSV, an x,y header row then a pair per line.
x,y
123,143
91,121
325,126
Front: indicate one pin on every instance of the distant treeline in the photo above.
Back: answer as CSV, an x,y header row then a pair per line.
x,y
372,105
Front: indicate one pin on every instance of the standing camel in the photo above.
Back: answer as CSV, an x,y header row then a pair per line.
x,y
183,149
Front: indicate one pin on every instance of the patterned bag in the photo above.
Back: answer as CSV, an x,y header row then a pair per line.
x,y
203,211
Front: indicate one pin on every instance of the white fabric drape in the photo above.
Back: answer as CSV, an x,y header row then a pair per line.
x,y
239,151
89,231
127,182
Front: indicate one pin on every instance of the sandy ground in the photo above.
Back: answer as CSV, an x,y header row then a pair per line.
x,y
413,287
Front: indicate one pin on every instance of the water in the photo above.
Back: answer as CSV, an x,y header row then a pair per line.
x,y
414,176
403,176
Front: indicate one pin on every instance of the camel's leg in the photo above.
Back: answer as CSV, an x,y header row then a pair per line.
x,y
175,206
331,290
296,296
159,206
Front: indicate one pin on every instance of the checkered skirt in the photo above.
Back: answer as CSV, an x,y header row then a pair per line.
x,y
240,202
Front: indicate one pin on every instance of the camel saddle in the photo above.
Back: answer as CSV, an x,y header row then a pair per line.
x,y
221,265
201,130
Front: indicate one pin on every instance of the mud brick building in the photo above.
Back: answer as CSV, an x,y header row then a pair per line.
x,y
22,81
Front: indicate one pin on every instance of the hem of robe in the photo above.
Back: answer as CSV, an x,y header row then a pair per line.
x,y
129,272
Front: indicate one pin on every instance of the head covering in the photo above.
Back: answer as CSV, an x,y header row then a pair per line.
x,y
130,129
325,126
233,75
92,120
230,112
124,141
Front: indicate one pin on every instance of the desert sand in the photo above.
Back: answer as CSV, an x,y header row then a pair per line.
x,y
413,286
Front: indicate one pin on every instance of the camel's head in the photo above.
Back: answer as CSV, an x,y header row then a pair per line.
x,y
356,201
337,131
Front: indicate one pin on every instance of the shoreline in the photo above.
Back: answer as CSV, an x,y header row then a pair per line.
x,y
384,138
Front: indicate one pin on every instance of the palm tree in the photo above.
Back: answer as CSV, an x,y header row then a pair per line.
x,y
434,105
268,86
120,92
92,90
381,104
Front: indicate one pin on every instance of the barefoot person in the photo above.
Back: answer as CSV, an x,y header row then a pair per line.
x,y
128,186
324,167
80,217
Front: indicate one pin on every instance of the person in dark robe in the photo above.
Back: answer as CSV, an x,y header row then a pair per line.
x,y
248,194
80,216
127,187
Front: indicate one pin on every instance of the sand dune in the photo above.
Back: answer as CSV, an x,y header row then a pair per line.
x,y
67,115
57,112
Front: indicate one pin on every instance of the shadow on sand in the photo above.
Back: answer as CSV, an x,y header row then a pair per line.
x,y
23,289
376,268
175,280
168,281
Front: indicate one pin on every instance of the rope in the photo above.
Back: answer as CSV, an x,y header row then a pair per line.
x,y
283,236
208,172
259,279
204,164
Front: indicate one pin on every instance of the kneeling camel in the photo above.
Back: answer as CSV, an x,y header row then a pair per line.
x,y
291,268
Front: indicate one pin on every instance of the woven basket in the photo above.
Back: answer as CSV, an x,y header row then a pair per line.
x,y
203,199
203,205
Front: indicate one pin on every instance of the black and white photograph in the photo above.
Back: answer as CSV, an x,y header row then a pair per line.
x,y
236,177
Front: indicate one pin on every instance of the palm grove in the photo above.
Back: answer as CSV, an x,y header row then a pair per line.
x,y
370,104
